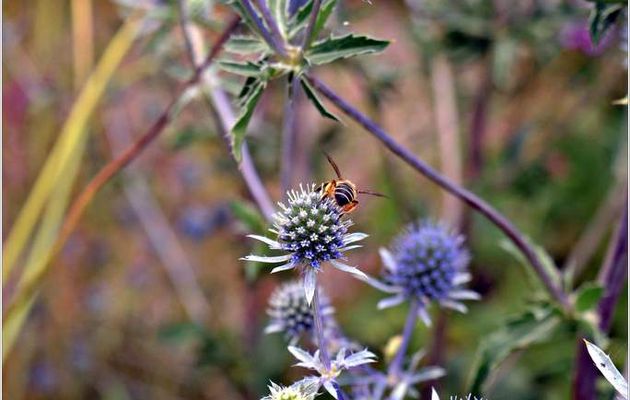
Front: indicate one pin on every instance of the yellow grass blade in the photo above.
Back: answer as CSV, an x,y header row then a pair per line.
x,y
69,139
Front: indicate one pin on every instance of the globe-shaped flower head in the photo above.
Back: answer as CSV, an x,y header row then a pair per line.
x,y
310,230
291,314
426,263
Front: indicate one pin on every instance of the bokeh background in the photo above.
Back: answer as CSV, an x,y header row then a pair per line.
x,y
510,98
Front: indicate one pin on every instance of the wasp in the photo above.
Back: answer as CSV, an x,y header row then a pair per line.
x,y
343,191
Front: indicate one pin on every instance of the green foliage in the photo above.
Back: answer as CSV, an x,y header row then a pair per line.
x,y
249,101
532,327
312,96
335,48
603,17
587,297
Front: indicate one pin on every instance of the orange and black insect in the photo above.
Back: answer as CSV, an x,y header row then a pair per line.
x,y
343,191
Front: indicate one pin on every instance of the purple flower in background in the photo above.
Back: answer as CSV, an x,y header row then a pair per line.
x,y
310,230
426,263
576,36
291,314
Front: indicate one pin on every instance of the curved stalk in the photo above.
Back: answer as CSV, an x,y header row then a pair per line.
x,y
466,196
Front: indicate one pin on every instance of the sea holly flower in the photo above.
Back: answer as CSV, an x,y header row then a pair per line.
x,y
291,314
426,263
303,390
326,376
310,230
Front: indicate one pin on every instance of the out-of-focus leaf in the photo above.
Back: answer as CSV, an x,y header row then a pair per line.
x,y
312,96
545,259
249,215
608,369
188,136
245,45
588,296
239,129
534,326
603,16
247,68
180,332
335,48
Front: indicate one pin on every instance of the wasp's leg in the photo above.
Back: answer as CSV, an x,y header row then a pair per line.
x,y
329,189
348,208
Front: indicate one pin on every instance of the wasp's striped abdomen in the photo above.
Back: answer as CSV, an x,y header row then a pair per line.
x,y
344,194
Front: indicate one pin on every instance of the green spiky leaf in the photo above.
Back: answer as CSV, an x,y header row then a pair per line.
x,y
247,68
312,96
532,327
335,48
602,18
605,365
245,45
302,17
249,102
587,297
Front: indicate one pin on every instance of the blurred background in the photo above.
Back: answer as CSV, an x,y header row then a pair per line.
x,y
148,298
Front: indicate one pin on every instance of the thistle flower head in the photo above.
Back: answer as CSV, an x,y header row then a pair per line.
x,y
303,390
291,314
426,263
310,230
327,376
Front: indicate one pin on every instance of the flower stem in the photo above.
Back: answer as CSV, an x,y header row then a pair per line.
x,y
612,276
262,29
273,26
468,197
397,363
289,134
311,25
319,329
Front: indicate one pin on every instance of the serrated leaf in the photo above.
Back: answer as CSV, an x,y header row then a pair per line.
x,y
312,96
587,296
605,365
602,17
239,129
245,45
302,17
335,48
247,68
528,329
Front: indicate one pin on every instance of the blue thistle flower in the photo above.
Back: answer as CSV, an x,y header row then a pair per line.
x,y
310,230
427,263
291,314
305,389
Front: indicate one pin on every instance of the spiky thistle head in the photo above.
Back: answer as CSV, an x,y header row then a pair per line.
x,y
427,262
291,314
303,390
311,229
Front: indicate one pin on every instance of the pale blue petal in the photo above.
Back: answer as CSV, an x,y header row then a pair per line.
x,y
388,259
461,278
272,243
274,328
284,267
390,302
454,305
424,316
462,294
330,389
302,356
310,281
427,374
346,268
354,237
270,260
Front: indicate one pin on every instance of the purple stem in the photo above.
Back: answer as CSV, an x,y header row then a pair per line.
x,y
397,363
262,29
311,25
319,329
468,197
289,134
275,31
612,276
